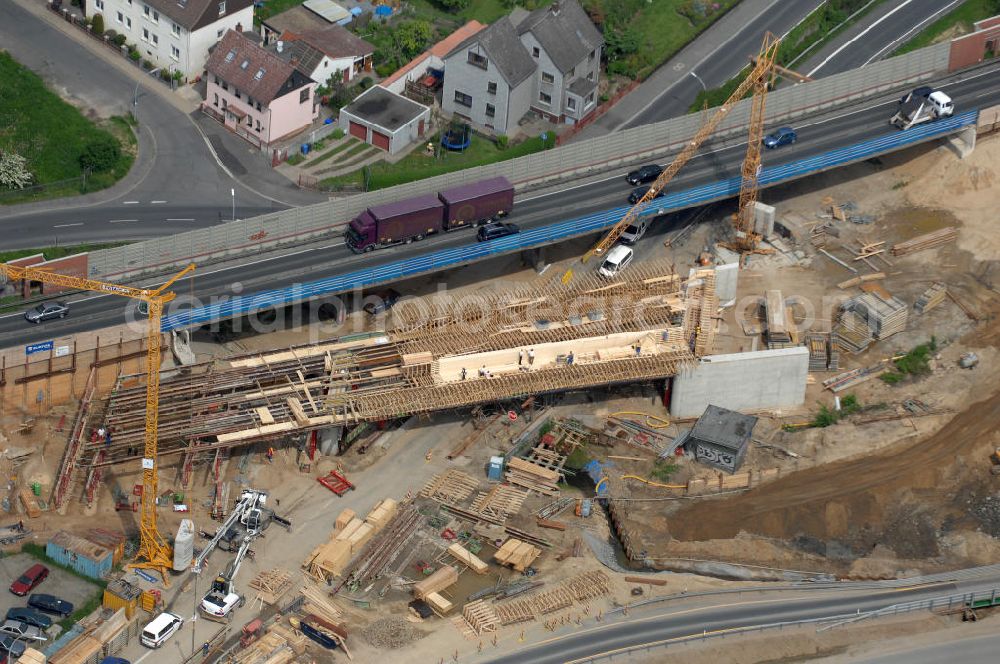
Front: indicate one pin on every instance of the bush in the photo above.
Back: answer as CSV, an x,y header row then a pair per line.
x,y
367,82
503,141
146,64
178,76
97,24
385,68
134,56
338,134
119,40
452,5
101,154
295,159
165,74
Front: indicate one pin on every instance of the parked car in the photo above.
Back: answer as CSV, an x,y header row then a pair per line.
x,y
161,628
21,630
619,258
45,311
783,136
10,645
639,192
30,616
496,230
643,174
115,660
380,302
31,578
50,604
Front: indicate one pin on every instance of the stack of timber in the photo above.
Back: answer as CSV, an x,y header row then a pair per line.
x,y
295,639
499,502
851,333
31,656
931,297
328,560
776,316
451,486
439,604
481,617
862,279
442,578
823,354
532,476
344,518
30,503
926,241
316,602
271,585
272,648
467,558
884,314
517,554
331,559
382,514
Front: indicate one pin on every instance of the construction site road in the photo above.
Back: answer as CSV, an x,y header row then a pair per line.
x,y
713,163
654,625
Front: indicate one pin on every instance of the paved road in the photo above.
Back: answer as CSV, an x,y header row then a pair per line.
x,y
712,164
680,619
959,648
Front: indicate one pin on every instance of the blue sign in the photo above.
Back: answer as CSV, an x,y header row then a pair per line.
x,y
31,349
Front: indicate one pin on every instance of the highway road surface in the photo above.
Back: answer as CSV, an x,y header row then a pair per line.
x,y
981,88
677,619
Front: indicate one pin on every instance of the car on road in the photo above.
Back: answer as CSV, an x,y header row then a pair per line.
x,y
29,615
31,578
21,630
644,174
46,311
783,136
380,302
619,258
9,644
639,192
115,660
50,604
161,628
496,230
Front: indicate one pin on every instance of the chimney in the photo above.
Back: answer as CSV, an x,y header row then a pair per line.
x,y
239,28
281,46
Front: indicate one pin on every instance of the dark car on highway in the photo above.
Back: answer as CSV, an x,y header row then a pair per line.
x,y
496,230
50,604
45,311
31,578
30,616
639,192
783,136
644,174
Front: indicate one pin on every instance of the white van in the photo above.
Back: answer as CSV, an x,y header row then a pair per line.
x,y
618,259
156,633
635,230
941,103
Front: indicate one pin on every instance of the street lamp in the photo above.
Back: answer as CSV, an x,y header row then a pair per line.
x,y
135,102
232,192
698,78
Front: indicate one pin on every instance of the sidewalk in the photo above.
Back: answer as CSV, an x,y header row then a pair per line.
x,y
676,68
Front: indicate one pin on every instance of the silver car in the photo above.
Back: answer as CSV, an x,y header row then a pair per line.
x,y
45,311
21,630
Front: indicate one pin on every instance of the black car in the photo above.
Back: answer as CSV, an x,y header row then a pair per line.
x,y
639,192
30,616
380,302
50,604
644,174
45,311
496,230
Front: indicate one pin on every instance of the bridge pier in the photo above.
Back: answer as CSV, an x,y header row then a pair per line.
x,y
763,220
964,142
535,258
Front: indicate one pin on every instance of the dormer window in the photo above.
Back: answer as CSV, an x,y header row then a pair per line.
x,y
259,75
478,60
231,55
222,8
244,64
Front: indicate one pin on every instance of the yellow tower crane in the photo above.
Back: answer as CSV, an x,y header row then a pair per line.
x,y
154,552
758,81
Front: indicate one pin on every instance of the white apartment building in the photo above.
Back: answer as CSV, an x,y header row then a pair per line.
x,y
174,34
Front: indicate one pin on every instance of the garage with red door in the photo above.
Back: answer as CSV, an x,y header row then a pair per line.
x,y
385,119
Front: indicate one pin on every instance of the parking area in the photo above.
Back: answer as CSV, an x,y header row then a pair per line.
x,y
59,583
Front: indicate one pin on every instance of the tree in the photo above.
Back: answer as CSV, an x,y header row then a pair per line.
x,y
101,154
453,5
620,43
14,172
97,24
412,37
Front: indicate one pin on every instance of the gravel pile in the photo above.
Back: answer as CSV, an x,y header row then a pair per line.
x,y
389,633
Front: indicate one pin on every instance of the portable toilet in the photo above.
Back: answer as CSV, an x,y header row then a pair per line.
x,y
494,470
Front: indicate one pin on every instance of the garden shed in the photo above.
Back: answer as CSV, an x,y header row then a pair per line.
x,y
385,119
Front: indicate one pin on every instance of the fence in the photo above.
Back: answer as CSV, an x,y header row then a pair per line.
x,y
78,183
537,237
531,171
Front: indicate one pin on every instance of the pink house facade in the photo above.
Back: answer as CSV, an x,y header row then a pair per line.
x,y
255,94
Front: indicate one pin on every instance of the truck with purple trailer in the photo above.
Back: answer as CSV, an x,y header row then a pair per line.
x,y
415,218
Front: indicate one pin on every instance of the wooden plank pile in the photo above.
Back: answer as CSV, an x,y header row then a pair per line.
x,y
271,585
533,477
481,617
31,656
272,648
931,297
318,603
330,559
823,354
467,558
499,502
451,486
442,578
925,241
777,323
294,639
885,316
515,611
517,554
857,281
29,502
439,604
851,333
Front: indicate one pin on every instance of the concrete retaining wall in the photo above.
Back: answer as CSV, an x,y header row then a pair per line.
x,y
742,381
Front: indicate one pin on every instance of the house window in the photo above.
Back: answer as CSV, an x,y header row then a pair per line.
x,y
572,73
249,121
534,51
225,86
145,10
237,93
216,102
176,29
491,110
491,87
120,18
258,125
175,53
304,95
590,98
590,76
156,40
145,34
231,55
593,54
225,105
128,23
570,103
258,106
222,8
463,99
547,77
259,75
478,60
156,16
544,98
218,35
100,4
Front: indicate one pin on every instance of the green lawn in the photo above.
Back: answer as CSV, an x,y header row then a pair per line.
x,y
51,253
964,16
417,165
52,135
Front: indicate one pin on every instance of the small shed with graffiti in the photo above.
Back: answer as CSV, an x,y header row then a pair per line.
x,y
720,438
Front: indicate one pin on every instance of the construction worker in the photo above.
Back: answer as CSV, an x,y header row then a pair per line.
x,y
569,358
520,357
107,438
100,432
482,371
204,648
463,373
270,454
531,356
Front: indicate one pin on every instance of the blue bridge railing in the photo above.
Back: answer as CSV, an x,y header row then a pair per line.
x,y
538,237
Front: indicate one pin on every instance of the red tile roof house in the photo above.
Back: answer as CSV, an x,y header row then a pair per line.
x,y
256,94
432,58
329,51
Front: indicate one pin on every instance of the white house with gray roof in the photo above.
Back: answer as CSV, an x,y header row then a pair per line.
x,y
547,61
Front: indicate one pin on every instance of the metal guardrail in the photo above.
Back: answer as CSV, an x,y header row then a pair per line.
x,y
530,239
989,597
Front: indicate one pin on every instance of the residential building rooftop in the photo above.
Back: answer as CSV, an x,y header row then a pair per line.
x,y
504,48
565,32
261,74
384,108
195,14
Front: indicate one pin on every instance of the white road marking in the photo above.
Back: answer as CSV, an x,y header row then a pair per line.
x,y
144,656
79,223
130,203
912,30
864,32
180,219
120,221
156,202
